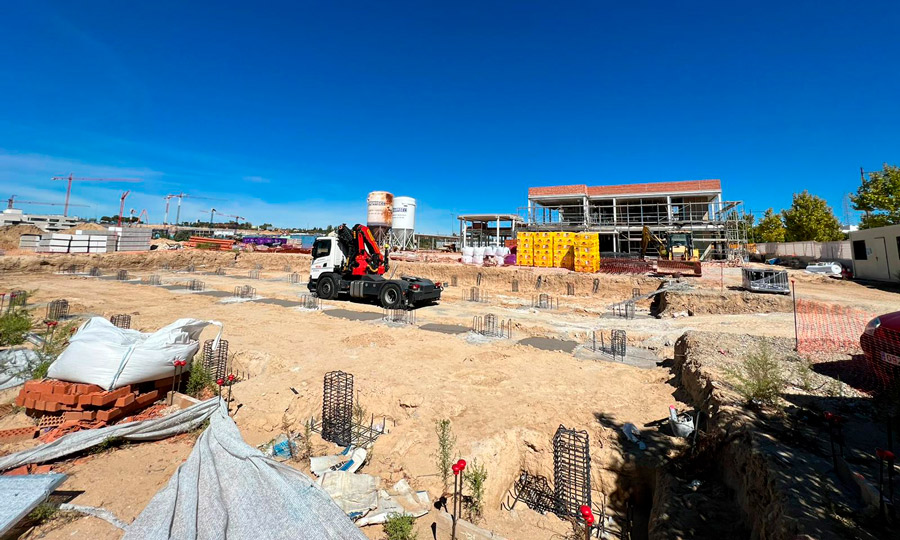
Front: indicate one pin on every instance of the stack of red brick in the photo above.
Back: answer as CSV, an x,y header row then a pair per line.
x,y
87,402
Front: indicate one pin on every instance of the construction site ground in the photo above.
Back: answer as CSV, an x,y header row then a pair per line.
x,y
505,398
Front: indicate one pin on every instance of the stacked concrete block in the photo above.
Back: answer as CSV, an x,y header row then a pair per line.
x,y
132,238
59,243
29,241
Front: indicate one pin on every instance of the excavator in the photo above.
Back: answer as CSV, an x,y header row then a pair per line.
x,y
349,263
676,252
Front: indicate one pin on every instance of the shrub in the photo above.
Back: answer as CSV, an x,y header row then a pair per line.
x,y
14,326
444,456
805,375
199,380
474,476
400,527
759,377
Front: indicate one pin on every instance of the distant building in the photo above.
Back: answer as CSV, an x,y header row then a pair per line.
x,y
620,212
876,253
48,223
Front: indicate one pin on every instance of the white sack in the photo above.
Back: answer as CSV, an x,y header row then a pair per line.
x,y
110,357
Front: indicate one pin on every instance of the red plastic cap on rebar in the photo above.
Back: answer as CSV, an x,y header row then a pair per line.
x,y
461,464
220,382
231,377
589,519
455,468
886,455
585,510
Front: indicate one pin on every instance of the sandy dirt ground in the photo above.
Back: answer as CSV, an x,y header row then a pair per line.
x,y
505,399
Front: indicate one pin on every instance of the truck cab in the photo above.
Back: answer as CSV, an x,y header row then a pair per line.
x,y
331,277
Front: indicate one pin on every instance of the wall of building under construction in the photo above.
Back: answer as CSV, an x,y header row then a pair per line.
x,y
620,221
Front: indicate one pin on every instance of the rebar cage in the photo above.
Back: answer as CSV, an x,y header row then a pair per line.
x,y
489,325
596,287
478,279
95,271
624,310
152,279
544,301
615,347
635,292
454,281
475,294
18,299
310,301
535,492
337,408
287,268
294,278
196,285
73,269
571,471
254,274
220,271
121,321
515,285
215,361
57,310
401,316
122,275
190,268
244,291
570,289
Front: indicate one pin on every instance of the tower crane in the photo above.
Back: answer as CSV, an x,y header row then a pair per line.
x,y
72,178
213,212
12,200
181,196
122,205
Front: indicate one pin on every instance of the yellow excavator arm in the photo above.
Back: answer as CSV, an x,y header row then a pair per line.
x,y
648,239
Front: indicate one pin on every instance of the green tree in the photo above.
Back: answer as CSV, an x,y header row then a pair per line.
x,y
770,228
810,218
879,197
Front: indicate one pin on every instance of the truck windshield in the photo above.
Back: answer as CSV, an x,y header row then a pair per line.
x,y
322,248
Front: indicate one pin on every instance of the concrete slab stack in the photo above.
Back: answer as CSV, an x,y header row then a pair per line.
x,y
132,239
29,241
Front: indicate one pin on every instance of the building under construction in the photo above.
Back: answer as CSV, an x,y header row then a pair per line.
x,y
619,213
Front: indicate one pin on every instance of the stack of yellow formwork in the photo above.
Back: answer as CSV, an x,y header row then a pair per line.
x,y
587,252
525,249
543,249
564,250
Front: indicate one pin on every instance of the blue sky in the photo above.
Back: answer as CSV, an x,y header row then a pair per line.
x,y
294,111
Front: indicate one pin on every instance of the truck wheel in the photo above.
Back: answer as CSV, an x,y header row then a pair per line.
x,y
326,288
390,296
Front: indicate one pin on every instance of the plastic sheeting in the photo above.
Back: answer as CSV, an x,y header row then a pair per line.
x,y
111,357
227,489
145,430
13,364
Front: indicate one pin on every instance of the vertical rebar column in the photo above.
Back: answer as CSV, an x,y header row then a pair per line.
x,y
571,471
121,321
337,408
58,309
215,361
618,344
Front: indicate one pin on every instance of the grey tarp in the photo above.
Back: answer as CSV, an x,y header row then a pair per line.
x,y
145,430
227,489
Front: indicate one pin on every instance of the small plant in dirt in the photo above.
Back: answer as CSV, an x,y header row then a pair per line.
x,y
14,327
444,455
834,388
360,413
804,375
474,477
758,377
400,527
200,379
42,513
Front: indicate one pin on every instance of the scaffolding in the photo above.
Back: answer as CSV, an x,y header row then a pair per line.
x,y
718,227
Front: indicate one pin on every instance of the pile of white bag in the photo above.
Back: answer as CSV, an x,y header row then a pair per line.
x,y
480,256
110,357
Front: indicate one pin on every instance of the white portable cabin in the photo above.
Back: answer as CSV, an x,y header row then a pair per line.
x,y
876,253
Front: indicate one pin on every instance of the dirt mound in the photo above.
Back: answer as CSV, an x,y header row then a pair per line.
x,y
700,302
84,227
9,235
